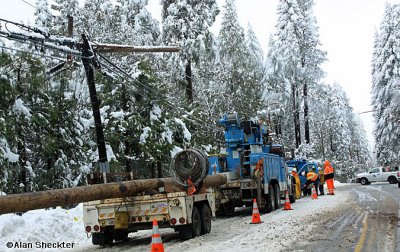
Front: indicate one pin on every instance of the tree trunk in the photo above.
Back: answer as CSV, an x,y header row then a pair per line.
x,y
189,85
306,121
61,197
296,116
127,132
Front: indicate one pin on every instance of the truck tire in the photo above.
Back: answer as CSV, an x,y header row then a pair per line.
x,y
398,184
292,197
392,180
206,217
270,200
193,229
364,181
277,193
228,208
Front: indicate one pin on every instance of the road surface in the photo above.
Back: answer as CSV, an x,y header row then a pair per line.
x,y
357,218
367,222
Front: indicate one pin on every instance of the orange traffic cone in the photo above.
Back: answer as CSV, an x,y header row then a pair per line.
x,y
156,243
314,193
255,218
287,205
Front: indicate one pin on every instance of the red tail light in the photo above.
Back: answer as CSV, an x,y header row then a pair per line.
x,y
139,218
173,221
88,229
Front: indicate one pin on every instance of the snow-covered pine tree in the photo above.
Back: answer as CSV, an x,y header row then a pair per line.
x,y
285,57
385,87
186,23
295,58
234,66
43,17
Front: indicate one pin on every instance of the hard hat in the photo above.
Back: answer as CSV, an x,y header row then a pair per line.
x,y
294,169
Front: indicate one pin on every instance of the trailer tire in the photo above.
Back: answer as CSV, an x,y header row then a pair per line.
x,y
193,229
120,235
103,238
206,217
277,193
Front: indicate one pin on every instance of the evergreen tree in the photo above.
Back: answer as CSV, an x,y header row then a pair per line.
x,y
385,75
186,22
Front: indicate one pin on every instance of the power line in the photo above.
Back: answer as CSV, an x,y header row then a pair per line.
x,y
36,7
36,54
28,39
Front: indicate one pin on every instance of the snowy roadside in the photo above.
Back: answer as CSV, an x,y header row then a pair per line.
x,y
278,231
38,228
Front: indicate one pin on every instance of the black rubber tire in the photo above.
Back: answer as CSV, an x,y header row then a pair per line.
x,y
120,235
270,200
206,217
196,222
392,180
193,229
398,184
228,208
277,193
103,238
292,197
364,181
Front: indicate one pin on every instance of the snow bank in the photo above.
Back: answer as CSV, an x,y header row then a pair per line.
x,y
54,225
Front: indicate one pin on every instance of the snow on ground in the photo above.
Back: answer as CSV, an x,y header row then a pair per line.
x,y
54,225
279,230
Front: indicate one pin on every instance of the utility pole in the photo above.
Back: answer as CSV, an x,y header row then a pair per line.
x,y
89,60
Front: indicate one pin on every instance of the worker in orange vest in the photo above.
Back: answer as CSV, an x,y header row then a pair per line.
x,y
297,183
311,180
329,174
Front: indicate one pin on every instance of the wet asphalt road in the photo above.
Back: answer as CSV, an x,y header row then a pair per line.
x,y
367,222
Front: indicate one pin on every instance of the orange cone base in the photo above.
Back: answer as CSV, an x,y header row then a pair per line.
x,y
256,219
158,247
287,206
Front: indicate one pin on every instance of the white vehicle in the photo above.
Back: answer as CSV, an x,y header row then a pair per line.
x,y
113,219
377,174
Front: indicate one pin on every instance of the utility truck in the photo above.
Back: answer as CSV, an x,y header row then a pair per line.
x,y
255,167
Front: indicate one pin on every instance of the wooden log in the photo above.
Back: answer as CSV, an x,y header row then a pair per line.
x,y
61,197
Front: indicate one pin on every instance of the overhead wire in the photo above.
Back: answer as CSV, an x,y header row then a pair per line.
x,y
33,40
165,101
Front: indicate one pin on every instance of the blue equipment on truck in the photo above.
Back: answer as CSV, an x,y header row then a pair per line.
x,y
303,167
255,167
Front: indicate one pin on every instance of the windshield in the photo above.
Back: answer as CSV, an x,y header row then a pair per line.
x,y
375,170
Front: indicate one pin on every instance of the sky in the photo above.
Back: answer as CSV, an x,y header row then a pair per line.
x,y
346,29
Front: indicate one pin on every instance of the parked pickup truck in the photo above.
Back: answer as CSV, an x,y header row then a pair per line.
x,y
378,174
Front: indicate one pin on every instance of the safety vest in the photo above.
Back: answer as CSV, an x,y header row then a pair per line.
x,y
312,176
328,169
